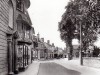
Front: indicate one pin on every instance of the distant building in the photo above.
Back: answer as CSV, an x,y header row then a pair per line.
x,y
65,53
35,45
76,50
50,49
44,50
60,52
56,52
40,49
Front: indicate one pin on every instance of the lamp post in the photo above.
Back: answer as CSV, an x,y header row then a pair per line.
x,y
81,58
80,24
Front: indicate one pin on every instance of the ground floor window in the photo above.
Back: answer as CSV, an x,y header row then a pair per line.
x,y
23,56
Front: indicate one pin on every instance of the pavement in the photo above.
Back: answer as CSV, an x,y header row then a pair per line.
x,y
75,65
32,69
59,67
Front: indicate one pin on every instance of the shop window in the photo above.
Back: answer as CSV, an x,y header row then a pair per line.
x,y
20,5
10,14
27,32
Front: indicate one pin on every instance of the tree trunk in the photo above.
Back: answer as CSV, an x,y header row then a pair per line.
x,y
70,50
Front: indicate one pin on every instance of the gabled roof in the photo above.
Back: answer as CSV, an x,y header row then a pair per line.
x,y
49,47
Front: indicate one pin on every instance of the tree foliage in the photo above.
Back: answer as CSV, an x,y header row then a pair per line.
x,y
84,12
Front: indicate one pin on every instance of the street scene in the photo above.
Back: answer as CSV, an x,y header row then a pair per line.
x,y
59,67
49,37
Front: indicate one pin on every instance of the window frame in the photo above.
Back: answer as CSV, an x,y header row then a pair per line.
x,y
20,5
11,15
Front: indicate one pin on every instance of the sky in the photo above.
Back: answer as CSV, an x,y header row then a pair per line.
x,y
45,15
97,43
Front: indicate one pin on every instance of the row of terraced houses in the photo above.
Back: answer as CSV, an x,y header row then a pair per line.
x,y
46,50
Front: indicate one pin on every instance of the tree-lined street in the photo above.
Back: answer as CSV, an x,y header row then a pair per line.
x,y
49,37
59,67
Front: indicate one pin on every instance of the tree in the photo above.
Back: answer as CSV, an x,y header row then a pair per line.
x,y
84,12
67,28
91,21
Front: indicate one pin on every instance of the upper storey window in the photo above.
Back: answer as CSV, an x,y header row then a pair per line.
x,y
20,5
10,14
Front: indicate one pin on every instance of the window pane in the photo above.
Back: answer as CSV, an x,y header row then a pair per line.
x,y
10,15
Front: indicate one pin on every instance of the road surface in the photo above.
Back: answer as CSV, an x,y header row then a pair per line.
x,y
51,68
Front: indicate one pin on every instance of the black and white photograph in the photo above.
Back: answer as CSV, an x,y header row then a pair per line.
x,y
49,37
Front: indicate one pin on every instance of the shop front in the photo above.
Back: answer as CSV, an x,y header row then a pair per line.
x,y
24,55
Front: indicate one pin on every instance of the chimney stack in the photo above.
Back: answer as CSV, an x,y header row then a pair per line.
x,y
48,41
42,39
53,44
38,36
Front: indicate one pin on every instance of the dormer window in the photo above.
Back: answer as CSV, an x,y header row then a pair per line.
x,y
20,5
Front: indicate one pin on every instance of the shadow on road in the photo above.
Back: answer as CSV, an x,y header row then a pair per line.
x,y
52,68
